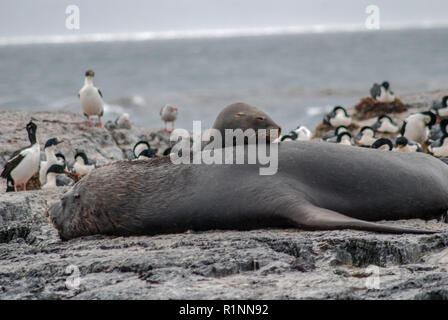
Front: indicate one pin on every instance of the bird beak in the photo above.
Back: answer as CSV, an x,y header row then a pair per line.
x,y
66,171
174,108
59,141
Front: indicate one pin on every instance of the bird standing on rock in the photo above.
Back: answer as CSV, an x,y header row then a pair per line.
x,y
50,157
24,163
91,99
168,113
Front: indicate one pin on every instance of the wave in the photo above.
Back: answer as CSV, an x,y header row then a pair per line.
x,y
209,33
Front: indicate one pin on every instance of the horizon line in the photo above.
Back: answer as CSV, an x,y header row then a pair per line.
x,y
211,33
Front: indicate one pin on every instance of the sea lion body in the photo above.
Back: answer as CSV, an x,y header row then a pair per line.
x,y
317,186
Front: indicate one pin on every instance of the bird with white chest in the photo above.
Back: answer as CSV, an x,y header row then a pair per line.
x,y
91,99
53,171
385,124
337,117
142,150
344,138
366,137
24,163
301,133
382,93
442,108
417,126
439,148
168,113
50,158
82,166
123,121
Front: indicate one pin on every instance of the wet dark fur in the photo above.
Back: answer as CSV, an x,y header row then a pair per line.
x,y
317,186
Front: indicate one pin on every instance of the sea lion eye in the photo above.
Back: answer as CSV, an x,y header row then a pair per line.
x,y
239,114
260,118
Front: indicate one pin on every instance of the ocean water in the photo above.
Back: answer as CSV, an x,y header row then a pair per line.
x,y
295,78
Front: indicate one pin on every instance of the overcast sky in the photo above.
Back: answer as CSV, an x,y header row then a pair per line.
x,y
46,17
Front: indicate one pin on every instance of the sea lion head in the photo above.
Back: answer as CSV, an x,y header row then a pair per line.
x,y
244,116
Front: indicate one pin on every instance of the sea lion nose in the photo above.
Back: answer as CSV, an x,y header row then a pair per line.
x,y
276,127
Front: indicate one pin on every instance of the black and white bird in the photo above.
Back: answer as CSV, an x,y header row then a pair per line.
x,y
332,135
404,145
417,126
24,163
292,136
439,148
344,138
168,113
337,117
167,151
82,166
385,124
366,137
142,150
301,133
439,131
61,159
91,99
52,172
442,109
383,144
63,179
50,158
382,92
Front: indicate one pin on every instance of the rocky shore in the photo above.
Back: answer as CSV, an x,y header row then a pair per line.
x,y
259,264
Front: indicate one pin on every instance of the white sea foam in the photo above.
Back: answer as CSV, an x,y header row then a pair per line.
x,y
208,33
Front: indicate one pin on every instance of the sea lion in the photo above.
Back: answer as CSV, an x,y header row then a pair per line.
x,y
244,116
318,186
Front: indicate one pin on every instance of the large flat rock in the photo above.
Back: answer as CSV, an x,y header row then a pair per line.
x,y
259,264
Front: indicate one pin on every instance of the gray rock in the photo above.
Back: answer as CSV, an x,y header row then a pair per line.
x,y
258,264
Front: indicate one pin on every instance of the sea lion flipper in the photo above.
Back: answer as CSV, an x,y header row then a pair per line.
x,y
316,218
